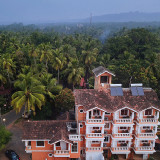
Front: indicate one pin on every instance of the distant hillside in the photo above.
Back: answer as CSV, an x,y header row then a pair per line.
x,y
126,17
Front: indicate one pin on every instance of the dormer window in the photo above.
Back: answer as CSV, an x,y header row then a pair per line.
x,y
148,112
57,144
104,79
96,112
124,112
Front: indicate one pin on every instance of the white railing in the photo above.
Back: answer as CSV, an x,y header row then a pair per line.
x,y
94,149
146,134
121,148
28,147
152,120
94,120
74,137
124,120
122,135
61,152
95,135
144,148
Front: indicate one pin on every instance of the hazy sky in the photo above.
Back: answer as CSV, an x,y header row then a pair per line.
x,y
29,11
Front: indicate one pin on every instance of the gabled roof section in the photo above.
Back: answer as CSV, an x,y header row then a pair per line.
x,y
90,98
52,130
100,70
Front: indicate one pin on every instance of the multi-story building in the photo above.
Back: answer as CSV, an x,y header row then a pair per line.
x,y
109,120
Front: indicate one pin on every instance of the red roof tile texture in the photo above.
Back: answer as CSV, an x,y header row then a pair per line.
x,y
90,98
46,130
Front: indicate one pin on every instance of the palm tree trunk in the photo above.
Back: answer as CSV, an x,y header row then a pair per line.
x,y
86,75
47,65
58,75
35,61
9,79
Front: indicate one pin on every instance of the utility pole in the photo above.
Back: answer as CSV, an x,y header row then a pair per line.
x,y
90,19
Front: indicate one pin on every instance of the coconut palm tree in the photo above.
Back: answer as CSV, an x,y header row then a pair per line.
x,y
45,53
59,60
33,52
2,79
89,55
30,93
51,87
9,66
74,72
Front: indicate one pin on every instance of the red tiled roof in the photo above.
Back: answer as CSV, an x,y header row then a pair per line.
x,y
90,98
52,130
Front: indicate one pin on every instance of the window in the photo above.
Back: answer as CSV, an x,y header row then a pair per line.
x,y
81,125
144,141
123,128
81,110
106,139
148,112
29,143
124,112
81,151
107,113
146,127
74,147
40,144
104,79
121,142
58,144
50,155
96,142
107,125
95,128
106,118
96,112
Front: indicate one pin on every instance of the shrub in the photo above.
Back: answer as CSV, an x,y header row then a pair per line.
x,y
5,136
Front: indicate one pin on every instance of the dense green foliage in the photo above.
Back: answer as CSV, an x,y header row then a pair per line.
x,y
36,64
5,136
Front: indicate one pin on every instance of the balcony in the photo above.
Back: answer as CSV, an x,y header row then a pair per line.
x,y
96,135
73,137
94,149
95,121
61,153
145,148
149,119
122,135
152,134
120,150
28,149
124,120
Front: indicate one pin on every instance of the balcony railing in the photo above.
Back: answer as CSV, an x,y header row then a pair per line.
x,y
95,121
123,120
95,135
150,120
61,152
74,137
94,149
122,135
120,148
145,148
146,134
